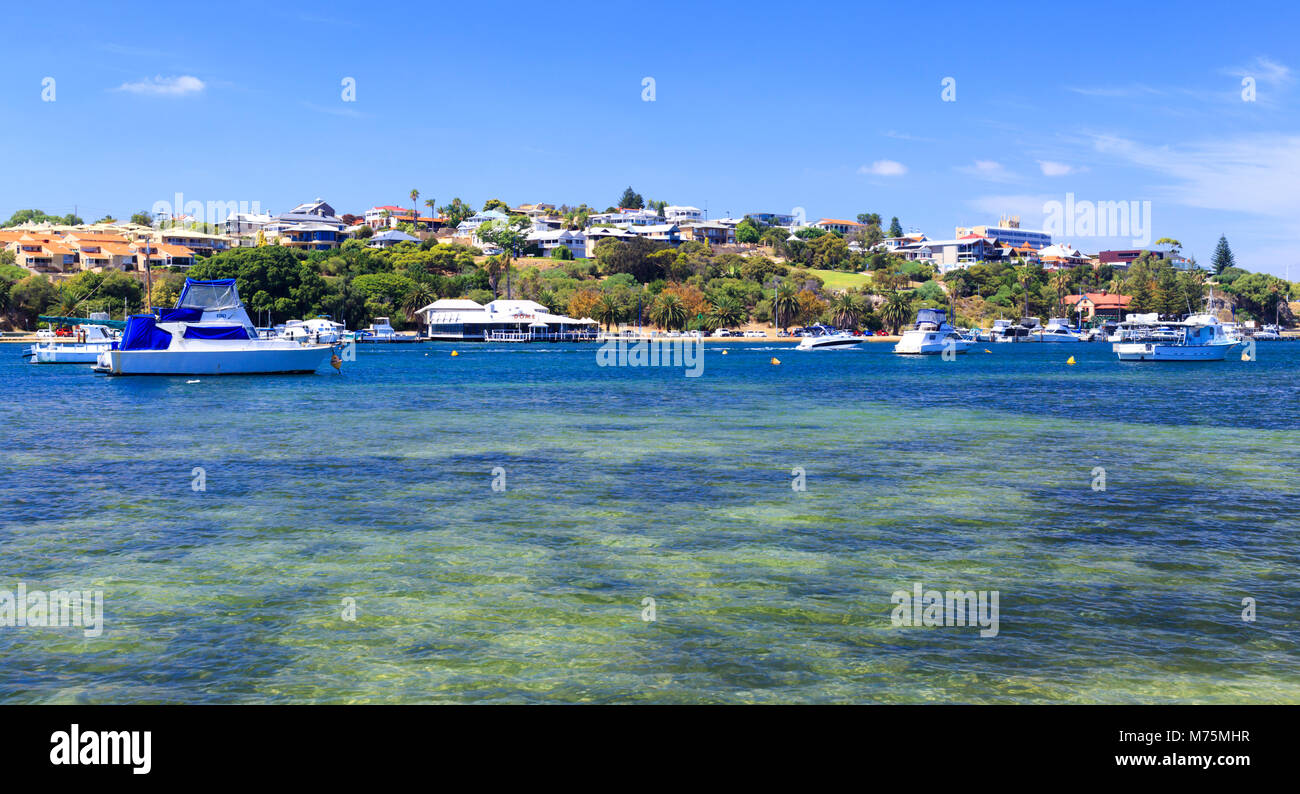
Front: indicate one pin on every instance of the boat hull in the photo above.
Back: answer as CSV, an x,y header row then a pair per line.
x,y
215,361
66,354
911,345
1155,351
828,342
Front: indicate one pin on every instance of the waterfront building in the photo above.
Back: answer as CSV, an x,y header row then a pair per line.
x,y
461,319
1093,305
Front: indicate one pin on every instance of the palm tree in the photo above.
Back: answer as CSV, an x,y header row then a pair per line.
x,y
727,311
846,309
416,298
785,305
897,309
433,213
607,311
1024,277
415,212
668,311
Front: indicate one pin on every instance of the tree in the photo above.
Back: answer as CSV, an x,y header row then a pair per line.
x,y
727,311
747,233
607,311
509,235
668,311
846,309
415,211
455,212
635,257
895,228
897,309
1223,258
142,218
561,252
785,304
433,209
631,200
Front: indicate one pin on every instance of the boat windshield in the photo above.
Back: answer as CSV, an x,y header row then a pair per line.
x,y
209,295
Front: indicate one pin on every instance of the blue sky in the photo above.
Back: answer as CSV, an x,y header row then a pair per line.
x,y
835,107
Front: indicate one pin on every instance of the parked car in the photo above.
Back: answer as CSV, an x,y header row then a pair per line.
x,y
755,335
722,332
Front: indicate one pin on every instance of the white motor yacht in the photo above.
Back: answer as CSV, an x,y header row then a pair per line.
x,y
84,347
1057,330
206,333
1198,338
931,334
823,337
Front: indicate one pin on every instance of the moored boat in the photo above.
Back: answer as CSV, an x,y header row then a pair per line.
x,y
1198,338
931,334
206,333
823,337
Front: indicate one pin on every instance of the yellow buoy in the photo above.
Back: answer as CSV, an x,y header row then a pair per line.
x,y
1070,360
776,360
986,350
454,353
724,352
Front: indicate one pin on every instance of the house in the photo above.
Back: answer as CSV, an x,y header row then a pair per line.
x,y
624,216
550,239
676,214
1008,231
1061,255
1103,305
241,224
390,237
837,225
312,236
948,255
315,207
390,216
201,243
659,232
772,218
709,232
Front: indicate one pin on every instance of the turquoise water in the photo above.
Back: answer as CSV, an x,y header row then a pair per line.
x,y
622,484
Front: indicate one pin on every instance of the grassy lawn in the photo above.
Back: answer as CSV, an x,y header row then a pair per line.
x,y
839,280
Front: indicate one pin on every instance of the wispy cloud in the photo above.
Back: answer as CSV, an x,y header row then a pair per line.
x,y
1133,90
904,136
1053,168
883,168
165,86
1265,70
335,110
991,170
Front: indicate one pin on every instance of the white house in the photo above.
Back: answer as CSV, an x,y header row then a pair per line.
x,y
550,239
676,214
459,319
627,216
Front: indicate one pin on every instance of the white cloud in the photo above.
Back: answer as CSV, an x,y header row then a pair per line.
x,y
883,168
1052,168
165,86
1264,70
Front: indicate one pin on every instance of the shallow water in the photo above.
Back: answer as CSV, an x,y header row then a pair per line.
x,y
627,483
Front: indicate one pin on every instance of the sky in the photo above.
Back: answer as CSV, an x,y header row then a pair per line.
x,y
943,115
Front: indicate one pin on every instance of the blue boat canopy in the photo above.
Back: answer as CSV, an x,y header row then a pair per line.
x,y
185,314
216,332
208,295
143,333
936,316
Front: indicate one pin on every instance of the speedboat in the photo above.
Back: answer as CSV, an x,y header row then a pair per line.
x,y
84,347
1198,338
823,337
206,333
1269,333
1004,331
1057,330
321,329
932,334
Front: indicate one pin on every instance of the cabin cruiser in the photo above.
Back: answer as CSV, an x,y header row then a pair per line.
x,y
1004,331
1057,330
1198,338
382,331
1269,333
822,337
319,329
84,347
206,333
932,334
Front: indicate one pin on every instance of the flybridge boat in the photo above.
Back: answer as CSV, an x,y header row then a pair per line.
x,y
1198,338
822,337
1057,330
319,329
382,331
207,333
932,334
87,342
